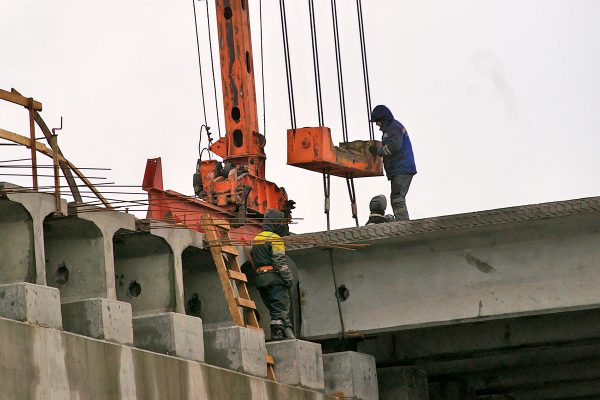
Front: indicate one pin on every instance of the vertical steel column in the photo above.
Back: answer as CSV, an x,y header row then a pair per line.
x,y
244,145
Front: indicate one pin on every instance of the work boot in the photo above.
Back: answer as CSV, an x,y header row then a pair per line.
x,y
289,333
277,330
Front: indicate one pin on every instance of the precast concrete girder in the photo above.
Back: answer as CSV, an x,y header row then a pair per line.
x,y
495,264
484,338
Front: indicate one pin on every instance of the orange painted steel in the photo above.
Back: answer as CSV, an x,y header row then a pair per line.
x,y
244,186
312,148
238,185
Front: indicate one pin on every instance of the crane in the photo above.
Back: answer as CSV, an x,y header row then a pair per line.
x,y
236,188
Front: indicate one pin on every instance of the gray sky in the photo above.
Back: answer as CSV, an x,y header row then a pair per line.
x,y
500,97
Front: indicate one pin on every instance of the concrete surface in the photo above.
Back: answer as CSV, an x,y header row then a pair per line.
x,y
144,273
22,247
99,319
75,262
461,274
109,223
203,291
41,363
170,333
402,383
31,303
298,363
179,240
236,348
351,374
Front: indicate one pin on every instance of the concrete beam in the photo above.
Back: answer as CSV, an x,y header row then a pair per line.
x,y
488,272
145,273
75,258
236,348
41,363
542,356
109,222
99,319
31,303
351,375
514,378
22,214
298,363
477,338
203,290
170,333
179,240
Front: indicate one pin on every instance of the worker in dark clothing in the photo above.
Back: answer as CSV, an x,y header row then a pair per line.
x,y
377,207
398,158
273,276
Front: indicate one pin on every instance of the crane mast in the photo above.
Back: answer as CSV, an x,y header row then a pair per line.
x,y
243,144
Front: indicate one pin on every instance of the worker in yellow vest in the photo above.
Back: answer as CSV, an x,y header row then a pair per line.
x,y
273,276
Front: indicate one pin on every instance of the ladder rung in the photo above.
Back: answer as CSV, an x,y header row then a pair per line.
x,y
238,276
256,328
230,250
269,359
220,223
245,303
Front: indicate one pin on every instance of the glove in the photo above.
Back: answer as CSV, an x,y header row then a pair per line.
x,y
373,149
286,275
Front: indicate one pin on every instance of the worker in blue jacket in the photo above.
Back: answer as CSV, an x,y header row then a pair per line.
x,y
398,158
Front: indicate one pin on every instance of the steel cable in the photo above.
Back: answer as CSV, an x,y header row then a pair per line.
x,y
199,62
288,67
316,66
212,65
340,75
363,50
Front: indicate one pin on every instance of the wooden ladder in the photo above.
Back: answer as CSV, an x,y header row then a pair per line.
x,y
241,306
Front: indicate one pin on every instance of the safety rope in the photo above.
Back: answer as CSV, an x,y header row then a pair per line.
x,y
363,50
212,64
288,66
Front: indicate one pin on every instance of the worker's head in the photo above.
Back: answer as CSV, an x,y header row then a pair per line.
x,y
378,205
381,114
275,221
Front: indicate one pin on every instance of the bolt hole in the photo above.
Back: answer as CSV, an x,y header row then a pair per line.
x,y
236,114
248,62
135,289
228,13
343,293
238,138
62,274
194,305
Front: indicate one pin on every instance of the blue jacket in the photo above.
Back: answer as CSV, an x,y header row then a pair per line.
x,y
397,153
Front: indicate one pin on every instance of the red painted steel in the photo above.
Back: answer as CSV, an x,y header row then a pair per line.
x,y
179,209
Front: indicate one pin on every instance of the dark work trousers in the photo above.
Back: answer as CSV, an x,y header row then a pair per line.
x,y
400,185
277,300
